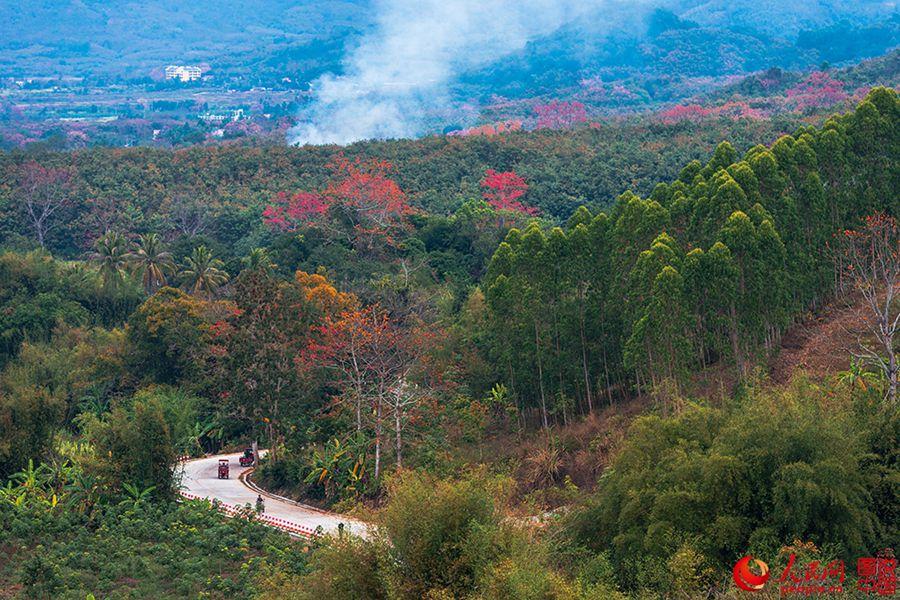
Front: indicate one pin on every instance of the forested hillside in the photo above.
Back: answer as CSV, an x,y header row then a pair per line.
x,y
487,346
140,190
127,40
712,266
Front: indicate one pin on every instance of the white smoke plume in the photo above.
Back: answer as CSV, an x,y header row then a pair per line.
x,y
401,71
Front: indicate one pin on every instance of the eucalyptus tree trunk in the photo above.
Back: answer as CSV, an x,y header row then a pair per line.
x,y
537,347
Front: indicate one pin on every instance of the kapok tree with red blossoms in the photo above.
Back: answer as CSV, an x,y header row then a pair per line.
x,y
368,197
503,190
684,112
817,91
289,212
361,204
560,115
490,129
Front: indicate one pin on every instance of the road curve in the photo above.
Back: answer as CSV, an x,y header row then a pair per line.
x,y
200,479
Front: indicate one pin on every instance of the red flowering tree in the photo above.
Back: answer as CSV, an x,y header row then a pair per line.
x,y
288,212
367,195
361,204
696,113
503,191
817,91
560,115
490,129
684,112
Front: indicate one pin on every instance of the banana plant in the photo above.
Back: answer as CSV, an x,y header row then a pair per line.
x,y
14,495
858,378
326,463
32,477
34,487
338,467
82,493
136,494
192,445
356,481
59,473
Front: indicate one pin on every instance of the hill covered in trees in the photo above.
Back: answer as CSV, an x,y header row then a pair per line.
x,y
226,188
392,320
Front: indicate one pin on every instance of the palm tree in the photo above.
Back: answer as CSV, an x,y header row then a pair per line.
x,y
111,256
259,260
202,273
152,262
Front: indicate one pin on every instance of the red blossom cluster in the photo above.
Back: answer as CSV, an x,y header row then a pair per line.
x,y
361,190
289,211
375,200
860,94
696,113
560,115
817,91
502,190
685,112
490,129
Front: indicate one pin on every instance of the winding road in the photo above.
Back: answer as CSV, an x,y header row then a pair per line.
x,y
200,480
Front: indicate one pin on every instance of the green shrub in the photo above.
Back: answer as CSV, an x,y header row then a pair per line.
x,y
440,533
690,494
135,447
144,550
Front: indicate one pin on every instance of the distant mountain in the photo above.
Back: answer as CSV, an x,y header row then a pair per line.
x,y
664,49
618,56
128,38
303,38
785,18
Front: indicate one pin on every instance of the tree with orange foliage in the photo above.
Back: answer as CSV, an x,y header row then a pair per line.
x,y
372,357
321,293
256,362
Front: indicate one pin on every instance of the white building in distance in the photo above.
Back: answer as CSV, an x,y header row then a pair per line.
x,y
183,72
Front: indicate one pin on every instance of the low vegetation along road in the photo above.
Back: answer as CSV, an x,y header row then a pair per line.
x,y
201,481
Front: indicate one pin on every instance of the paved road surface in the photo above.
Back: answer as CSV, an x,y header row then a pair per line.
x,y
201,479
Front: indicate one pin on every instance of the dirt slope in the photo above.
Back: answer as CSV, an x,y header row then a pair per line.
x,y
822,344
